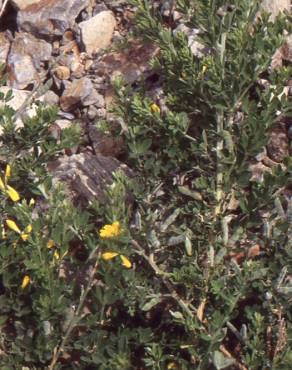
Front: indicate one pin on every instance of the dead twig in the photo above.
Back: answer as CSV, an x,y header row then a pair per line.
x,y
188,308
3,8
229,355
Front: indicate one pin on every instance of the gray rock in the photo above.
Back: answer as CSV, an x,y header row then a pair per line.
x,y
275,7
50,18
96,33
105,144
196,47
25,58
130,64
86,176
21,71
100,103
57,127
18,99
62,72
92,112
63,123
80,92
22,4
66,115
27,44
51,98
101,113
284,53
4,47
278,146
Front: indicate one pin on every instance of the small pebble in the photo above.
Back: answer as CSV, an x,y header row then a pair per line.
x,y
62,72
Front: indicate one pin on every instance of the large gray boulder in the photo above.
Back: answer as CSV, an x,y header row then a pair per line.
x,y
49,18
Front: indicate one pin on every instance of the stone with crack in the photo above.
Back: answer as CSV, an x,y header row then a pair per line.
x,y
86,176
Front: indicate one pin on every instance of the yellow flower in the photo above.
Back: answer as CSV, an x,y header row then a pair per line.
x,y
125,262
3,232
12,225
109,255
31,202
12,193
7,172
50,243
2,186
25,282
7,189
172,366
56,255
28,228
154,108
110,231
24,236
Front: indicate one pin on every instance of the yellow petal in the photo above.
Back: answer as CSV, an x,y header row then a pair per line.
x,y
56,255
2,186
12,193
24,236
7,172
125,262
25,282
154,108
31,202
3,232
116,225
28,228
172,366
12,225
50,243
108,255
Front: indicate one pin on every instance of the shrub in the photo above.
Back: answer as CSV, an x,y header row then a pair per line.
x,y
196,273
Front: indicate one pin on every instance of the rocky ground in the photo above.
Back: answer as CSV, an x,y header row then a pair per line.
x,y
75,48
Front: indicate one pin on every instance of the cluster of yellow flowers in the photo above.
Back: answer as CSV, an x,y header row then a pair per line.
x,y
7,189
50,245
110,255
110,232
14,196
107,232
23,234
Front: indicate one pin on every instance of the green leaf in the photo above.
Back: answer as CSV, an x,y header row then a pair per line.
x,y
220,361
150,304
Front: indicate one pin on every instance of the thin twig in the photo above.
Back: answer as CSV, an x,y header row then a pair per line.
x,y
3,7
186,307
74,319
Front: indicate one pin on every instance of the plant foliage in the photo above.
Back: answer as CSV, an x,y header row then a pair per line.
x,y
196,274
